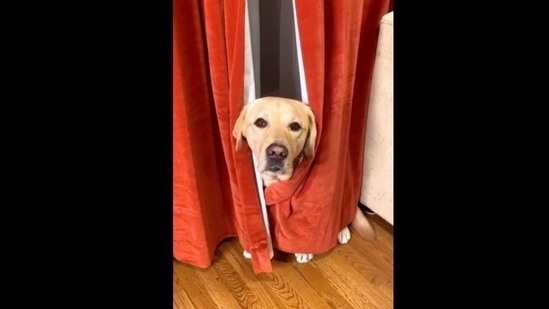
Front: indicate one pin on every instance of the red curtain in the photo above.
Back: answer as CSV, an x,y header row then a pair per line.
x,y
214,186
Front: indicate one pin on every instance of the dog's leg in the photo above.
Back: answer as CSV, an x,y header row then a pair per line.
x,y
248,255
300,257
303,257
344,236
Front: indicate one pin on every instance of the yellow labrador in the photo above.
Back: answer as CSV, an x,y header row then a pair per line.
x,y
280,132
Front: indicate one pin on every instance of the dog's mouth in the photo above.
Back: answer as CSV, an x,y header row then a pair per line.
x,y
275,167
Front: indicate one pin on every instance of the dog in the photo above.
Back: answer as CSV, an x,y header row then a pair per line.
x,y
280,132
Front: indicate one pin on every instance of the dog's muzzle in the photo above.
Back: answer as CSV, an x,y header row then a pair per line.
x,y
276,157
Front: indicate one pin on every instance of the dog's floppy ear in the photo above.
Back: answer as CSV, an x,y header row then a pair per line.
x,y
311,138
238,130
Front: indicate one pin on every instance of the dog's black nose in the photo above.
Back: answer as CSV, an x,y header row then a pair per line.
x,y
277,151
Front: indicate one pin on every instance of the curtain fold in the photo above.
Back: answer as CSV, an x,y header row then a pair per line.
x,y
200,178
215,194
214,186
338,43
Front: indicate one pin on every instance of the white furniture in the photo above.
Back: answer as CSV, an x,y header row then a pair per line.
x,y
377,180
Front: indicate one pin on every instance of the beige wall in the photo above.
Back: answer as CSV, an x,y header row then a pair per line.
x,y
377,182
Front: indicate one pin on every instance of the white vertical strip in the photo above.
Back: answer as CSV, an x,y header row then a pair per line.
x,y
302,81
249,78
249,96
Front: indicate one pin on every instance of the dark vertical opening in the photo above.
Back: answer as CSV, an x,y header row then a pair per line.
x,y
288,67
269,12
278,66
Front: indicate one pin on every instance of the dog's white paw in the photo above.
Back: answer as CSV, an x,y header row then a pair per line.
x,y
303,257
247,254
344,236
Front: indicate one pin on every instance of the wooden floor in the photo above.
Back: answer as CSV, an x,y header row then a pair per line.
x,y
356,275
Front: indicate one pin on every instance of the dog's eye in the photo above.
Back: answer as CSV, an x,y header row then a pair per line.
x,y
260,123
294,126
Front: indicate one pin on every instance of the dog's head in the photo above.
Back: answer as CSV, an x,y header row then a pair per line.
x,y
278,131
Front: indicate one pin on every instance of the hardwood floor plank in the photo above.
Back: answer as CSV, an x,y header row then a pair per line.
x,y
194,287
233,253
372,278
274,290
356,275
221,289
377,250
318,281
182,301
285,294
311,296
177,282
380,278
346,285
245,296
384,236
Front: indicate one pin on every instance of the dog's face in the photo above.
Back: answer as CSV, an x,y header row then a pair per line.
x,y
278,131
